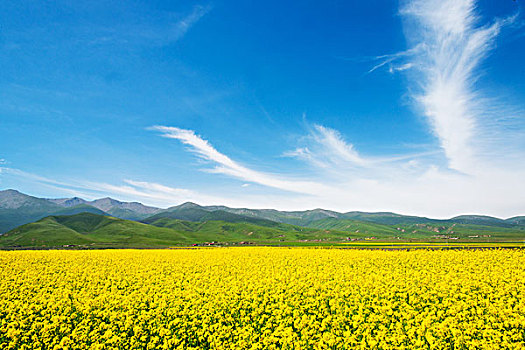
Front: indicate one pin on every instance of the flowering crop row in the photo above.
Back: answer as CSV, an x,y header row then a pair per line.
x,y
262,298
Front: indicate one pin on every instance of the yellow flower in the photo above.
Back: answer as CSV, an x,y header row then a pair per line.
x,y
262,298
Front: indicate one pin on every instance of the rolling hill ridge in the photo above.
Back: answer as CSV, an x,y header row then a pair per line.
x,y
26,219
100,231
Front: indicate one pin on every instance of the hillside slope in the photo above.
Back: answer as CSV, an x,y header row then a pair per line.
x,y
91,230
99,231
357,227
88,230
269,232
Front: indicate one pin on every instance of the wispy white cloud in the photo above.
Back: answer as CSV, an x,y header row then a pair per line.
x,y
448,43
139,25
225,165
337,149
166,28
390,59
151,192
61,187
400,68
454,47
327,149
181,27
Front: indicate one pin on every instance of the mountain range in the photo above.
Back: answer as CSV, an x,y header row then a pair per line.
x,y
40,219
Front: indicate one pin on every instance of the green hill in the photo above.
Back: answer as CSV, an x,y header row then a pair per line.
x,y
179,213
195,213
361,228
386,218
272,232
98,231
221,215
91,230
517,220
222,231
430,231
88,230
476,232
300,218
481,220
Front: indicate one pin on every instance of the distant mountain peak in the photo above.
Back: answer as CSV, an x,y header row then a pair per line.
x,y
11,191
68,202
187,205
128,210
324,211
111,206
107,199
13,199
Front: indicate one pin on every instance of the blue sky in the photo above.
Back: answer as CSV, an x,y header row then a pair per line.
x,y
415,107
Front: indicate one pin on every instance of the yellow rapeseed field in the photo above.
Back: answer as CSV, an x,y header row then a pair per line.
x,y
262,298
